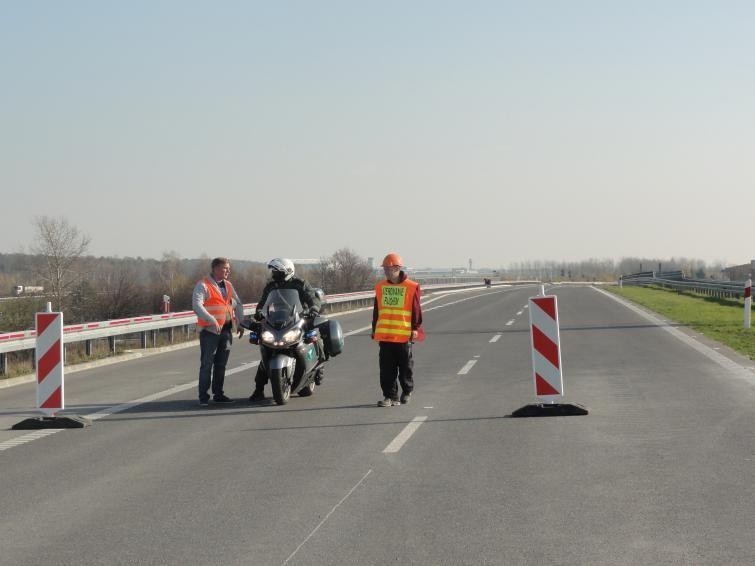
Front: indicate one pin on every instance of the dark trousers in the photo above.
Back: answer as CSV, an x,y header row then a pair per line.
x,y
260,378
214,350
396,361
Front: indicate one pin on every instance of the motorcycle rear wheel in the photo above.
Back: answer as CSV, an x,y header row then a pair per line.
x,y
281,385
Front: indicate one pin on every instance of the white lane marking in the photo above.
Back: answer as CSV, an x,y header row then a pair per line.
x,y
467,367
495,338
519,313
452,302
509,323
161,394
358,330
28,438
321,523
404,435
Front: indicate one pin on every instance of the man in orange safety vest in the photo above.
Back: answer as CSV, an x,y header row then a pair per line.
x,y
219,311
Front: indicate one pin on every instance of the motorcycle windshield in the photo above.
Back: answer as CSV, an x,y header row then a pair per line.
x,y
282,306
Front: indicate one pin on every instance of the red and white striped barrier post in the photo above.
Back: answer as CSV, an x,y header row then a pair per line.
x,y
546,348
545,341
748,301
49,362
50,383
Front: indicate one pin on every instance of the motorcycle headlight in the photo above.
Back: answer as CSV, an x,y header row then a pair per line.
x,y
292,336
289,338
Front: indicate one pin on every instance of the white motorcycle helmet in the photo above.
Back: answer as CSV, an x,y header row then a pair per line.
x,y
283,268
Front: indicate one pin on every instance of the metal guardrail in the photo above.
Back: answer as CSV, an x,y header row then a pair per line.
x,y
26,339
676,280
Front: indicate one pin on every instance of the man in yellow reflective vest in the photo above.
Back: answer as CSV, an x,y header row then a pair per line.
x,y
219,310
396,324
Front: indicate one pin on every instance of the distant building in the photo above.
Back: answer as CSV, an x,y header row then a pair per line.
x,y
739,272
315,261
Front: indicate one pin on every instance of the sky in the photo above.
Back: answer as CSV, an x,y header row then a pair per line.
x,y
447,131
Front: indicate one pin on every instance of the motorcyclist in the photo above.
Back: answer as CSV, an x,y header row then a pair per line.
x,y
283,277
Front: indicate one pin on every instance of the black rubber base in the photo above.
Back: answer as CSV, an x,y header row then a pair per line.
x,y
65,421
550,410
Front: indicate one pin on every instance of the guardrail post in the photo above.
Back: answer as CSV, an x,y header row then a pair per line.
x,y
3,364
88,348
111,344
143,339
748,301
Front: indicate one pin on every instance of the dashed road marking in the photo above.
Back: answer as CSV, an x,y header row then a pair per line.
x,y
28,438
467,367
404,435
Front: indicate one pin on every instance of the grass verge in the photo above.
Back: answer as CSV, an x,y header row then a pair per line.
x,y
719,319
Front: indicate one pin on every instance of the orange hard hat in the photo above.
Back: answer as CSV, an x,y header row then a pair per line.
x,y
393,259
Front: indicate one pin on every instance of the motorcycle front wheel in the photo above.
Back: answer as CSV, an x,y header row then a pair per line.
x,y
281,385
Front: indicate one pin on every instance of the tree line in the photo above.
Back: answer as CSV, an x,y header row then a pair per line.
x,y
87,288
608,269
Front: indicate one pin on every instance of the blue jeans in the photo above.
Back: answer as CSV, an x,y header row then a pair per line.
x,y
214,350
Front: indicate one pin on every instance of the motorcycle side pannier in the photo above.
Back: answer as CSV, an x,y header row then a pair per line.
x,y
332,336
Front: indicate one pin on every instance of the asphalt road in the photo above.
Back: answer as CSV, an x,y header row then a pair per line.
x,y
661,471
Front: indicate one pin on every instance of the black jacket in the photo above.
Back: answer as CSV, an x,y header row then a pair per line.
x,y
307,295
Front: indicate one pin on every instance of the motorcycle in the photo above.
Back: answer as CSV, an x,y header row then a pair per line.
x,y
294,347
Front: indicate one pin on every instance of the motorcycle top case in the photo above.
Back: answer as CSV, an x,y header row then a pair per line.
x,y
332,336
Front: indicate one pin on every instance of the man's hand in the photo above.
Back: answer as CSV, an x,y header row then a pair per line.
x,y
258,316
415,333
241,332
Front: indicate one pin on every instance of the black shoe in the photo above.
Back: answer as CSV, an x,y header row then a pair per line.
x,y
222,399
203,403
258,395
320,377
405,398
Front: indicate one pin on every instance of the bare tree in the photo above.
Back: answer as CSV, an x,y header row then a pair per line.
x,y
345,271
120,293
62,245
171,279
